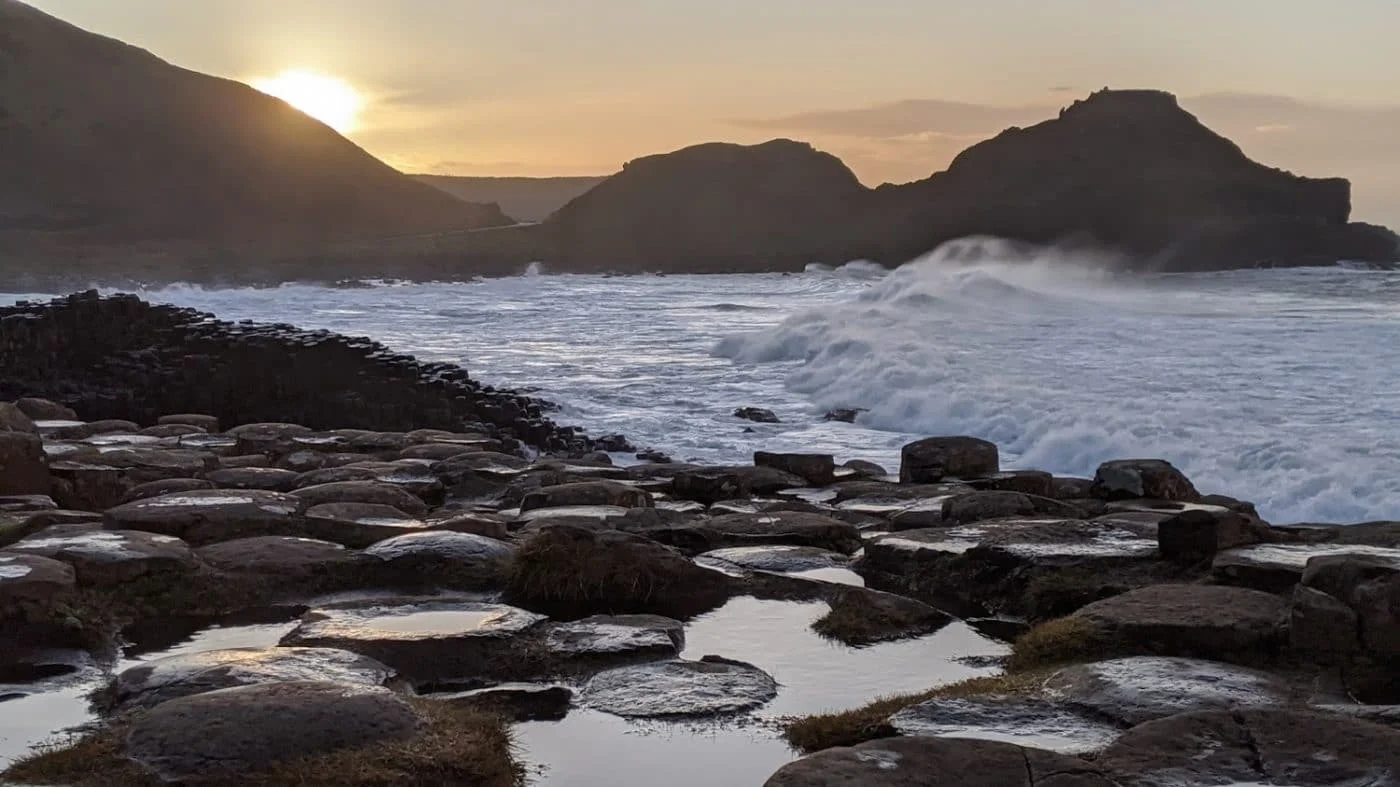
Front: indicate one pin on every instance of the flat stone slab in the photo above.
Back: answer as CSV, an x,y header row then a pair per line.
x,y
616,635
103,558
1255,747
237,731
358,525
211,515
707,687
927,761
1277,567
277,555
1045,724
426,640
1203,621
441,546
377,492
150,684
781,558
785,527
271,479
1139,689
33,578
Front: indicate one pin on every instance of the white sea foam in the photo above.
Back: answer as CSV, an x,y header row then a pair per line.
x,y
1277,386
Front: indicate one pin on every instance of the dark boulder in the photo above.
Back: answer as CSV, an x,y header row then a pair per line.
x,y
936,458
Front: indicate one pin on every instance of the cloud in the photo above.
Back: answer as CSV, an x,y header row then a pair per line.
x,y
903,118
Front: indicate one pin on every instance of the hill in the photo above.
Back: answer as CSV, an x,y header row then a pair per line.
x,y
526,199
105,143
1130,170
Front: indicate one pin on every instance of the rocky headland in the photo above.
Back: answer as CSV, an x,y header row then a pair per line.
x,y
179,176
451,569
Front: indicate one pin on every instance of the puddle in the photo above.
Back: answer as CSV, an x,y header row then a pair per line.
x,y
592,749
444,623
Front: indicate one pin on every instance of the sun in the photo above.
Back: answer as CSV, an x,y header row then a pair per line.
x,y
328,99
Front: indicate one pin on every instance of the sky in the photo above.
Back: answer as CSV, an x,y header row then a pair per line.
x,y
893,87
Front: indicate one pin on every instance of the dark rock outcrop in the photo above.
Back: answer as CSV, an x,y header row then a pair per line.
x,y
120,357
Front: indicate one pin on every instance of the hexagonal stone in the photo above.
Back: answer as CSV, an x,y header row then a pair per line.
x,y
711,686
208,516
233,732
616,635
1044,724
363,492
1203,621
931,460
104,558
426,640
32,578
271,479
359,524
1143,688
1275,568
282,556
781,558
587,493
924,761
149,684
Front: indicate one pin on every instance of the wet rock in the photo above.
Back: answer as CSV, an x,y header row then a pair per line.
x,y
44,410
519,702
1027,482
588,493
1276,568
428,641
304,462
779,558
106,558
82,431
238,731
866,469
846,415
479,524
712,485
170,430
757,415
167,486
444,558
817,469
1157,479
977,506
208,516
1194,536
614,636
930,461
271,479
1045,724
437,452
654,456
1266,746
362,492
860,616
266,566
266,438
239,462
1134,690
208,423
782,527
926,761
152,683
573,572
24,468
1321,626
709,687
14,419
1201,621
1369,584
26,578
1070,488
359,525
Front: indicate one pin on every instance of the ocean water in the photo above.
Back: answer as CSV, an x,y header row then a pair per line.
x,y
1278,386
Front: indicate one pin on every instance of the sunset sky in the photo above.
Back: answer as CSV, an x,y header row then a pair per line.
x,y
894,87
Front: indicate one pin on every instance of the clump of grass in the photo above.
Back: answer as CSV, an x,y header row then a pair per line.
x,y
1060,641
862,617
870,722
571,572
458,746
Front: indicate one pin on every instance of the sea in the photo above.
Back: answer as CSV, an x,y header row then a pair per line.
x,y
1278,386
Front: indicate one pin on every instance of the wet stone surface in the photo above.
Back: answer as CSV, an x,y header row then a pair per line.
x,y
680,688
1135,690
939,762
780,558
208,516
152,683
1044,724
107,557
616,635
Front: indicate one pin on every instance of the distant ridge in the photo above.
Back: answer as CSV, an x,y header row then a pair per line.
x,y
104,143
526,199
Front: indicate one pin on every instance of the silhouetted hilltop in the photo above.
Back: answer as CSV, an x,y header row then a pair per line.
x,y
1129,169
105,143
526,199
736,205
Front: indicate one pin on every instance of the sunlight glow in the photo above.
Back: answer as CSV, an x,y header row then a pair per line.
x,y
328,99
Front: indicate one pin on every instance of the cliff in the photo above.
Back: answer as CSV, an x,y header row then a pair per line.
x,y
104,143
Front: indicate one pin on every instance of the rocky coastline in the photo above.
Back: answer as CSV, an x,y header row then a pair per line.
x,y
458,563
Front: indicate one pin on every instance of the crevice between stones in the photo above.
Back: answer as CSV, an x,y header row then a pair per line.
x,y
1256,758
